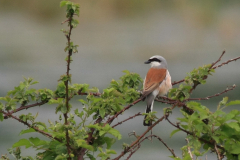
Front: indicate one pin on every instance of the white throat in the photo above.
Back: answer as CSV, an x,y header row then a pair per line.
x,y
155,64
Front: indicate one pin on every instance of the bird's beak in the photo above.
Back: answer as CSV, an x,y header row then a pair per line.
x,y
147,62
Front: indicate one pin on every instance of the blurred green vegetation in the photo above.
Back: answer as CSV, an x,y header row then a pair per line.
x,y
46,9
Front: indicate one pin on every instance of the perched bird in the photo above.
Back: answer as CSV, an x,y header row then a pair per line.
x,y
156,82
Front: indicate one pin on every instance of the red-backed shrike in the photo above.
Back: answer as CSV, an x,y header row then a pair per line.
x,y
156,82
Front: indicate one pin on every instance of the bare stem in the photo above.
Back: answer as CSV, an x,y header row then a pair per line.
x,y
66,85
138,114
31,126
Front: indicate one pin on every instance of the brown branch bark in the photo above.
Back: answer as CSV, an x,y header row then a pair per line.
x,y
24,107
215,95
66,85
30,126
190,133
109,121
131,117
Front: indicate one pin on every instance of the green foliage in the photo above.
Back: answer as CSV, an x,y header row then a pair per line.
x,y
221,127
105,155
198,76
150,117
88,128
180,93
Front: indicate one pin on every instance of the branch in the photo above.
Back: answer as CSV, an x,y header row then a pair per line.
x,y
171,150
215,95
66,84
24,107
217,152
132,152
220,65
138,114
30,126
219,59
213,66
109,121
177,82
139,138
190,133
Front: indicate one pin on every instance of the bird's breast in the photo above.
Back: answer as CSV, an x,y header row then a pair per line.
x,y
165,86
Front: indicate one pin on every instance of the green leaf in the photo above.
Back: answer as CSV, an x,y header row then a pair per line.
x,y
110,151
236,102
63,3
22,142
234,125
102,113
115,133
174,131
83,143
235,149
27,131
37,142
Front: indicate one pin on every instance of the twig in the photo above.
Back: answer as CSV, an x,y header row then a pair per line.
x,y
65,21
171,150
138,114
139,138
220,65
177,82
109,121
190,133
215,95
217,152
24,107
219,59
30,126
189,149
132,152
212,66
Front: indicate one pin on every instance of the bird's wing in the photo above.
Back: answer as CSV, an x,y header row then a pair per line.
x,y
153,80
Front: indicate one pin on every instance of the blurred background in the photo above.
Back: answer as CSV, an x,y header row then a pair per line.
x,y
114,36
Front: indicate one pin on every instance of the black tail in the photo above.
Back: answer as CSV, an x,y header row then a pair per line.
x,y
149,123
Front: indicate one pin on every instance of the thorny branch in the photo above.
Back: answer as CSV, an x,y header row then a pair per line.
x,y
68,36
109,121
190,133
215,95
138,139
138,114
24,107
31,126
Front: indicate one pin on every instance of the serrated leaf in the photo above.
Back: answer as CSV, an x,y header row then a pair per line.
x,y
22,142
102,113
27,131
37,142
174,131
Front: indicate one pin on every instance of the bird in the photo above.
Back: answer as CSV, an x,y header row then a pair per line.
x,y
157,82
